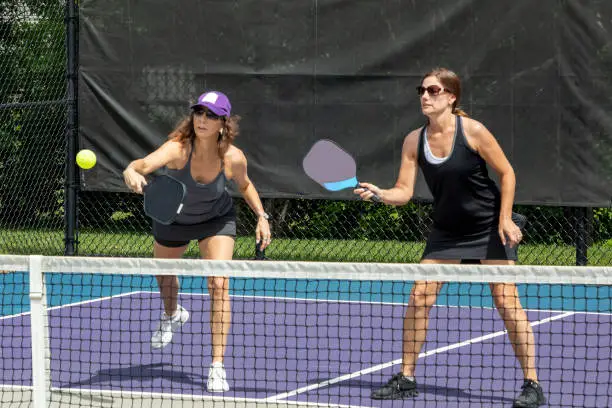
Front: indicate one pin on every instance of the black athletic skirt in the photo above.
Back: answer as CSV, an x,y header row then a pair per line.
x,y
479,245
176,235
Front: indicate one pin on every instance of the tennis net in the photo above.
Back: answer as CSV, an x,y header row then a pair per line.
x,y
77,332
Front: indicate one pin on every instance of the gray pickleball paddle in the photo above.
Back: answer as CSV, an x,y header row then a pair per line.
x,y
163,199
331,167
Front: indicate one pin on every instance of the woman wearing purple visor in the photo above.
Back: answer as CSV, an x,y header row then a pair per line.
x,y
200,153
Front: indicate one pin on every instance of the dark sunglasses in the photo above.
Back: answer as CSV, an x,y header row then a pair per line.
x,y
432,90
209,114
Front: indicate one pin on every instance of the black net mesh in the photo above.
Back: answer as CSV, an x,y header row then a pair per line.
x,y
308,333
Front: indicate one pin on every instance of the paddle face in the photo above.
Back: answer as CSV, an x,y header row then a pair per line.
x,y
163,199
330,166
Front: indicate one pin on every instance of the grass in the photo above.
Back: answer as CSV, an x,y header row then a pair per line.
x,y
25,242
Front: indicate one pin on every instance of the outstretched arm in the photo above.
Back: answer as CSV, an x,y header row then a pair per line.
x,y
403,190
134,173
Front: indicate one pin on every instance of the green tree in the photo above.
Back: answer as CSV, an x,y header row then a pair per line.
x,y
32,112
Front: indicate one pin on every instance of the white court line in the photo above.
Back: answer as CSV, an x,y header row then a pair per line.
x,y
190,397
380,303
293,298
54,308
74,304
83,302
15,387
398,361
296,298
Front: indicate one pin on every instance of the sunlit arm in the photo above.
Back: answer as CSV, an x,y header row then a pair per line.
x,y
492,153
167,152
242,180
403,189
507,181
134,173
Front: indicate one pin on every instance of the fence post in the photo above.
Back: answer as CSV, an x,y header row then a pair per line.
x,y
71,183
581,220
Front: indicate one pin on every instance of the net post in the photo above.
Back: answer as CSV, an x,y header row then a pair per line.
x,y
39,327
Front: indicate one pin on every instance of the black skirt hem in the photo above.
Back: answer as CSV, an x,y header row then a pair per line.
x,y
222,225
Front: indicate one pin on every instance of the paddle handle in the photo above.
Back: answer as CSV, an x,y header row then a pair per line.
x,y
374,198
260,254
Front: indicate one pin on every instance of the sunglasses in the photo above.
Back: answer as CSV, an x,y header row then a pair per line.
x,y
209,114
432,90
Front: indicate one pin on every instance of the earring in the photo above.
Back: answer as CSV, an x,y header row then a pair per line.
x,y
221,131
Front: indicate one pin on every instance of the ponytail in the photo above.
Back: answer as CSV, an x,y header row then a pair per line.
x,y
460,112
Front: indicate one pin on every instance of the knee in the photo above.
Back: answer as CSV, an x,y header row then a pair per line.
x,y
506,299
218,284
423,296
168,281
509,308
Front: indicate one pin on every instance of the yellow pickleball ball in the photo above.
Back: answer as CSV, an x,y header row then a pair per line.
x,y
86,159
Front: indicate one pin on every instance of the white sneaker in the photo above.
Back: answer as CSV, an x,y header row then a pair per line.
x,y
167,326
216,378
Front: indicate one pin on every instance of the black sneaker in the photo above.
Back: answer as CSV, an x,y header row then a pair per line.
x,y
532,396
398,387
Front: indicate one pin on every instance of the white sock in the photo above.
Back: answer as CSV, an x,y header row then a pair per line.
x,y
176,313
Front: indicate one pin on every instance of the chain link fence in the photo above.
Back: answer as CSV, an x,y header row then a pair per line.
x,y
34,114
32,126
324,230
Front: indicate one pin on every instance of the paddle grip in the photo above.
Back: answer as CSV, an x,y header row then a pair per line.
x,y
260,254
374,198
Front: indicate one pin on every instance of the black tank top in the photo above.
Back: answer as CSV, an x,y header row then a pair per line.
x,y
203,201
466,200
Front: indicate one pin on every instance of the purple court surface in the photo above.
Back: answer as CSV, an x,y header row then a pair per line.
x,y
314,352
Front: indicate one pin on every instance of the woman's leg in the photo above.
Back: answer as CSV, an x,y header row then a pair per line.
x,y
173,318
508,304
422,298
168,285
219,247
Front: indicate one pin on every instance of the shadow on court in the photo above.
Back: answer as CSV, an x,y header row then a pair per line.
x,y
437,392
149,372
141,372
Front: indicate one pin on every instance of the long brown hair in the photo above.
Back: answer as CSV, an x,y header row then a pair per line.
x,y
451,82
184,132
